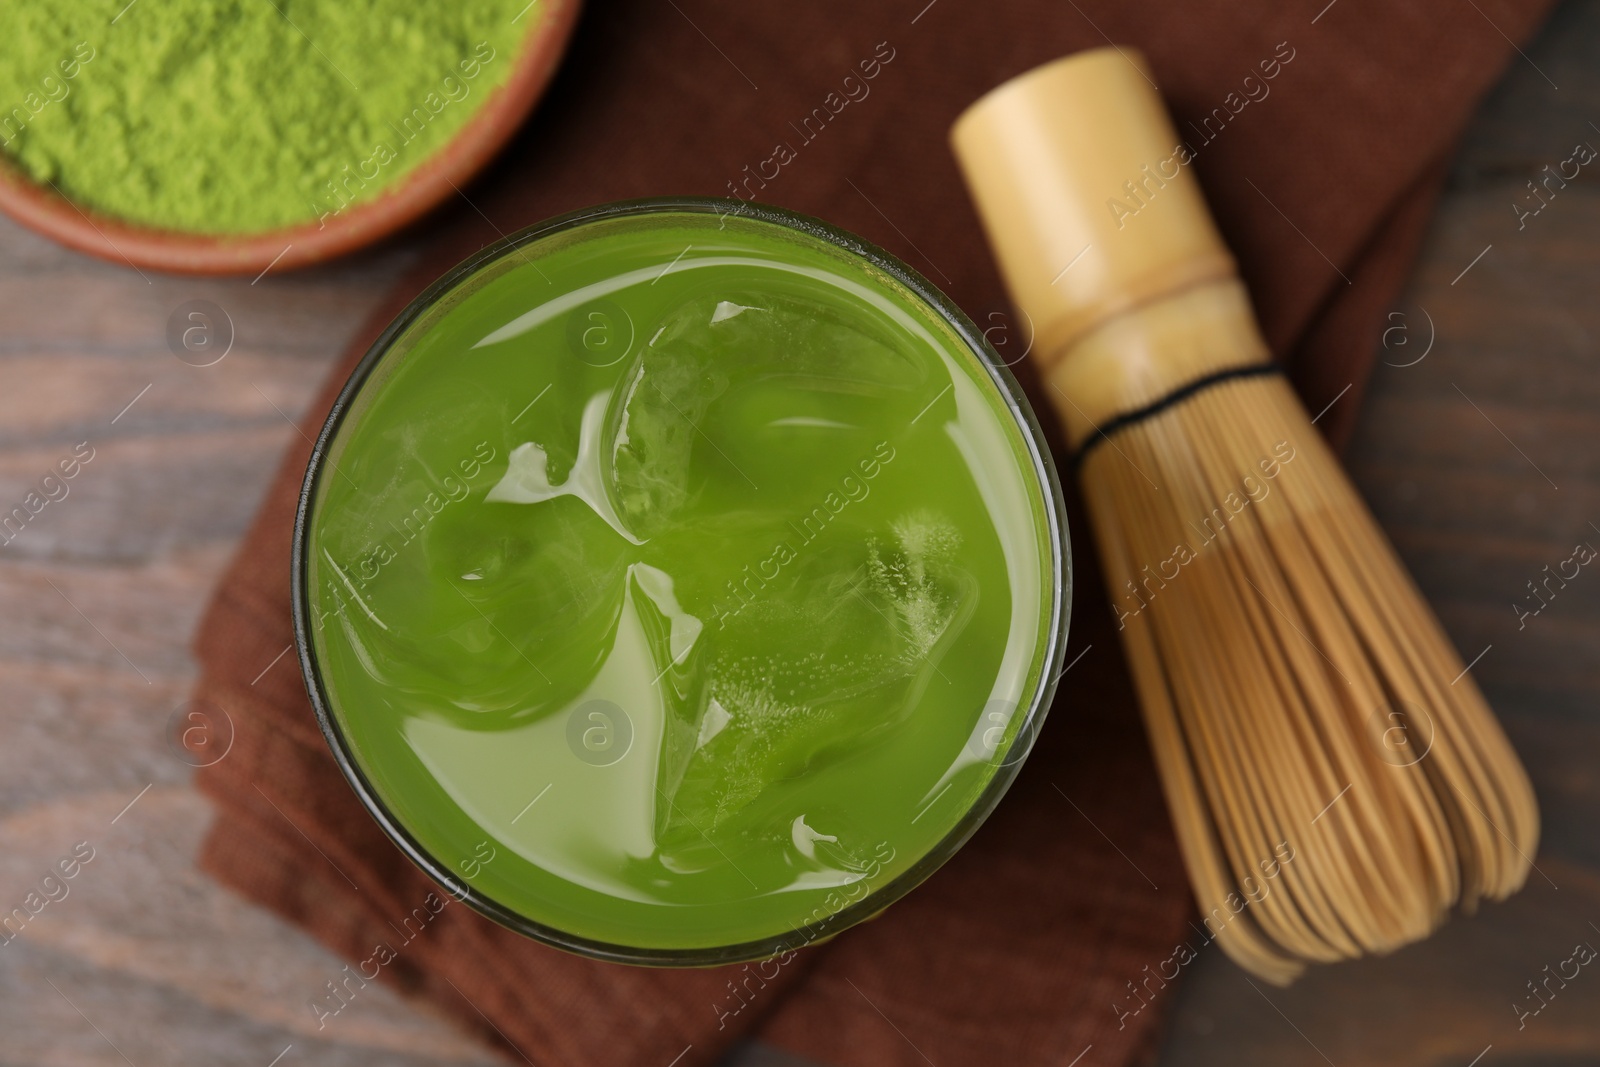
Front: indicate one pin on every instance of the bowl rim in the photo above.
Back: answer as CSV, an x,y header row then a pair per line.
x,y
45,210
1006,769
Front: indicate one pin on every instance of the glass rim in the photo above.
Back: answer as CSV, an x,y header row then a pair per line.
x,y
1038,702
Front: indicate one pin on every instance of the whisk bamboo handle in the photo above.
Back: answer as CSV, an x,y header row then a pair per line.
x,y
1130,363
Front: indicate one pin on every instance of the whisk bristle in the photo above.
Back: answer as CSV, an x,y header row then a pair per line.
x,y
1337,781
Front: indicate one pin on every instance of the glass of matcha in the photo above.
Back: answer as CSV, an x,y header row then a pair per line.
x,y
680,581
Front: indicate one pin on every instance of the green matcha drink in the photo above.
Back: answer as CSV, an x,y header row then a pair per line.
x,y
680,586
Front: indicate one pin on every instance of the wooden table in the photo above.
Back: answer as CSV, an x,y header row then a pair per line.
x,y
1479,448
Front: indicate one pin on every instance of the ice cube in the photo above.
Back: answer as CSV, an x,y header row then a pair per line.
x,y
737,386
823,661
488,609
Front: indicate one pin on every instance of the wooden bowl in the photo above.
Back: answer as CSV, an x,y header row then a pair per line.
x,y
452,165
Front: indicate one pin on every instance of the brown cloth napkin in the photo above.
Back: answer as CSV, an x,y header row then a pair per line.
x,y
1022,948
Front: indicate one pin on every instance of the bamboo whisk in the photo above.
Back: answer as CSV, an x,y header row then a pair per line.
x,y
1337,782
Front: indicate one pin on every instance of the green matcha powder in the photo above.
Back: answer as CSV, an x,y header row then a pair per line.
x,y
216,116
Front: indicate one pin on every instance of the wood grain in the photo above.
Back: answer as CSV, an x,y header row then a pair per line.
x,y
146,962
